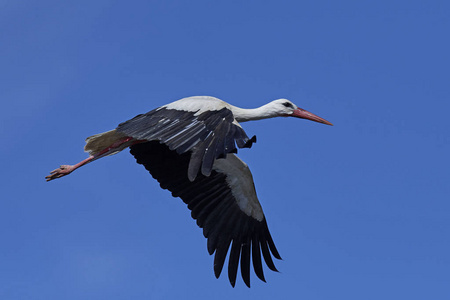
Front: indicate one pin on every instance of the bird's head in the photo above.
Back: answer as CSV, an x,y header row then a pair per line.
x,y
285,108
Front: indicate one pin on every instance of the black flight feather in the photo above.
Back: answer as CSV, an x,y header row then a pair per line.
x,y
215,209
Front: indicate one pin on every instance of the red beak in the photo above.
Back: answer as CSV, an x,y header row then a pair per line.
x,y
304,114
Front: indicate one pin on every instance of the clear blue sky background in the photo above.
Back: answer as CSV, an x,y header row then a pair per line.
x,y
358,211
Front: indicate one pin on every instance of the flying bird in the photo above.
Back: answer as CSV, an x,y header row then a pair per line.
x,y
189,147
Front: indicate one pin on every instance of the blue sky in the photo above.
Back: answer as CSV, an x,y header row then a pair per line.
x,y
358,211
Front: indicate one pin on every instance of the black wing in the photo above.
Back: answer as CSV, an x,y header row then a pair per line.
x,y
209,135
216,210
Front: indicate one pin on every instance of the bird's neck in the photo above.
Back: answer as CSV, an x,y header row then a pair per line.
x,y
250,114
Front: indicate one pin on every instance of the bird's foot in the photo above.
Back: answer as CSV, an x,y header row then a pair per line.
x,y
67,169
60,172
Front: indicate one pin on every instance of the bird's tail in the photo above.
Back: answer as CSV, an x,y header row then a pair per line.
x,y
99,142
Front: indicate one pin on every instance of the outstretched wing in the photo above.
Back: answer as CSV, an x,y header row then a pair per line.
x,y
209,134
224,204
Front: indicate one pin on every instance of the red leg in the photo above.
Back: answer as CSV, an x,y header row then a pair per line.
x,y
114,148
67,169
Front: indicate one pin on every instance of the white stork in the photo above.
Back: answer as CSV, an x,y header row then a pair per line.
x,y
188,146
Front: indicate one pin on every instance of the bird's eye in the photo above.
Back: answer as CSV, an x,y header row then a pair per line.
x,y
288,104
